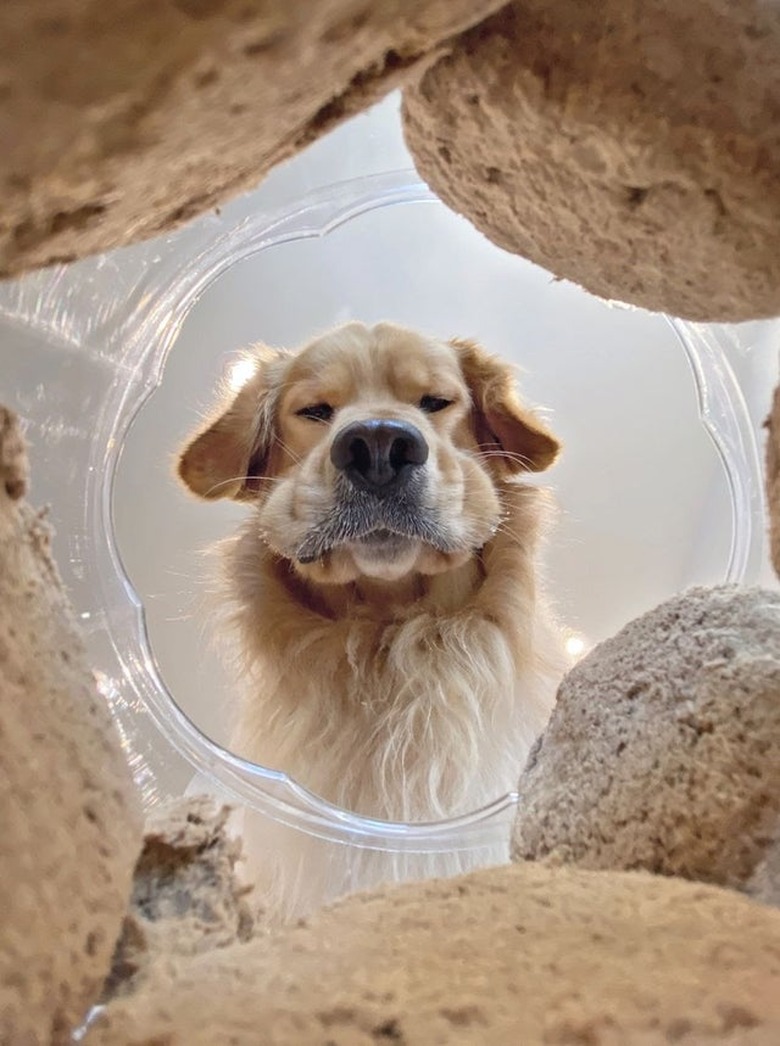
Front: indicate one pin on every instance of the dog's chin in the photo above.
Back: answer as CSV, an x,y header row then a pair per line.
x,y
378,558
384,555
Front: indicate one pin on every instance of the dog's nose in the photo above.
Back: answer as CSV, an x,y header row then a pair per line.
x,y
379,454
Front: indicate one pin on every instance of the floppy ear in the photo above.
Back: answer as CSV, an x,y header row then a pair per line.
x,y
229,458
501,420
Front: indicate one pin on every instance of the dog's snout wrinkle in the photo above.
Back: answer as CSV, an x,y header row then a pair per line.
x,y
379,454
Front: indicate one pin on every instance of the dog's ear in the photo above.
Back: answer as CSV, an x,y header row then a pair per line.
x,y
519,438
229,457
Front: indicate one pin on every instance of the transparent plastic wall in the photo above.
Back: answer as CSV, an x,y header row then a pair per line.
x,y
110,362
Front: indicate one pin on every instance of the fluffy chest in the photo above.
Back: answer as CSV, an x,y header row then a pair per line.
x,y
414,720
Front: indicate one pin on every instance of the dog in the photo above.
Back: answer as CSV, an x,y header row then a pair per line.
x,y
394,652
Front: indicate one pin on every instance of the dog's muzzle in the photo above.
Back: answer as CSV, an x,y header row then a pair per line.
x,y
379,497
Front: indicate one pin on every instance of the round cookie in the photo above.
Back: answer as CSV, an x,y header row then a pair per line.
x,y
119,122
630,147
523,954
70,826
663,750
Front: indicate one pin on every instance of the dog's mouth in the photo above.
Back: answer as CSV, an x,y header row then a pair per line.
x,y
382,536
381,525
383,544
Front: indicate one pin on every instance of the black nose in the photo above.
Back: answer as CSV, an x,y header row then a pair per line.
x,y
379,454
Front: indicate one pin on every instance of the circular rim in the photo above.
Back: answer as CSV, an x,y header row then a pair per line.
x,y
151,327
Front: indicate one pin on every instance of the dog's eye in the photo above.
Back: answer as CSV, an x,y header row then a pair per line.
x,y
433,404
316,412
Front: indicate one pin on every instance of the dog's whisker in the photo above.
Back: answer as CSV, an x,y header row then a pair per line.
x,y
494,451
241,478
510,532
285,447
485,455
225,483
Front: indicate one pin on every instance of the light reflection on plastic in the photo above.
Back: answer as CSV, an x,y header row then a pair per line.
x,y
576,646
239,373
144,778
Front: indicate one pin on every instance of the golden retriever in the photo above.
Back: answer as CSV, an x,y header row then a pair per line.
x,y
395,655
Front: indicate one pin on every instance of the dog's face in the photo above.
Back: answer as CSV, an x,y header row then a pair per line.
x,y
373,452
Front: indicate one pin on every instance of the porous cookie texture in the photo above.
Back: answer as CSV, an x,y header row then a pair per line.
x,y
120,121
14,468
631,147
519,954
773,479
70,827
663,750
186,896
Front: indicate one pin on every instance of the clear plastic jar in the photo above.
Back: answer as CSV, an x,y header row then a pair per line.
x,y
85,347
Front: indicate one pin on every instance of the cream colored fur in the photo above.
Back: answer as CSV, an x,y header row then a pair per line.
x,y
407,693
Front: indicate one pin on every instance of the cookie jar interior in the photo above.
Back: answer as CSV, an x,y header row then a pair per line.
x,y
113,361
